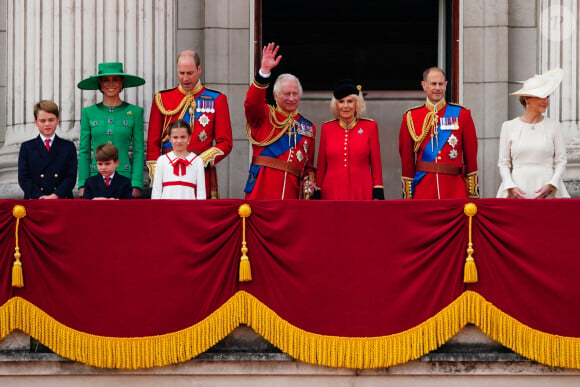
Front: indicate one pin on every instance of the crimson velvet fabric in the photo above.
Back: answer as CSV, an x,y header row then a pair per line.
x,y
129,268
341,268
356,269
528,261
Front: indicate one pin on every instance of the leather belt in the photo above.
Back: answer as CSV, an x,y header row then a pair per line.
x,y
447,169
278,164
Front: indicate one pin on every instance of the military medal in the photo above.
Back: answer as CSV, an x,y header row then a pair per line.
x,y
300,156
202,136
360,131
204,120
452,140
305,146
129,113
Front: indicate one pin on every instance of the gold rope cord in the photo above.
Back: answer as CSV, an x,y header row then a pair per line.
x,y
430,121
18,212
245,274
284,126
470,269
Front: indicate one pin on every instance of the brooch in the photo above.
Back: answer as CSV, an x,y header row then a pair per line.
x,y
202,136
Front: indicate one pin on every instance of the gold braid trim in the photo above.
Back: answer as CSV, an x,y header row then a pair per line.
x,y
431,121
332,351
283,126
121,352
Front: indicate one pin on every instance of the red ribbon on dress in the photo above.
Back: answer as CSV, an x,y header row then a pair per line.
x,y
179,166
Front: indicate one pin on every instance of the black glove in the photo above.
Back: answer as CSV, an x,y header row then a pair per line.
x,y
315,195
378,194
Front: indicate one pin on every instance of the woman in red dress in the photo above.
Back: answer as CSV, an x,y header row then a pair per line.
x,y
349,155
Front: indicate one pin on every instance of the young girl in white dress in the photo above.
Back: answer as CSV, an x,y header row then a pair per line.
x,y
179,174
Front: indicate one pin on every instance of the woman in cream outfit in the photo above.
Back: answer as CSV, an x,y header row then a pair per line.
x,y
532,154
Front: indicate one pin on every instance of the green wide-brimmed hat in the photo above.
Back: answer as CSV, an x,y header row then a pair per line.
x,y
110,68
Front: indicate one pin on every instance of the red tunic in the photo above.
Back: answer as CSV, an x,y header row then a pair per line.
x,y
271,183
349,161
439,185
216,132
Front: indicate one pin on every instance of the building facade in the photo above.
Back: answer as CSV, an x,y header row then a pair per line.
x,y
47,47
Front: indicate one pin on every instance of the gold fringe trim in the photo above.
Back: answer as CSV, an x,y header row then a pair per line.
x,y
332,351
551,350
399,348
120,352
356,352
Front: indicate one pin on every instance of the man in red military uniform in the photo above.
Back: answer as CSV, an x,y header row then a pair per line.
x,y
438,146
207,112
282,140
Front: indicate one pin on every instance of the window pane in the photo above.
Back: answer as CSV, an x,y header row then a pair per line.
x,y
382,44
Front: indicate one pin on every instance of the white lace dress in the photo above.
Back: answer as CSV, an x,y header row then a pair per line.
x,y
530,156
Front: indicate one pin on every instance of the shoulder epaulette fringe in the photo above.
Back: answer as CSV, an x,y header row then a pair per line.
x,y
456,104
329,121
366,119
413,108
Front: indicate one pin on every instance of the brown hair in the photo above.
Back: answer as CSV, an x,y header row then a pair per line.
x,y
106,152
523,101
177,124
47,106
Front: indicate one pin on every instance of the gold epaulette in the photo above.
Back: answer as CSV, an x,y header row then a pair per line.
x,y
456,104
329,121
413,108
365,119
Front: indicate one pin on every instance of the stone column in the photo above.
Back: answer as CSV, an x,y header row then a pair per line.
x,y
53,44
558,45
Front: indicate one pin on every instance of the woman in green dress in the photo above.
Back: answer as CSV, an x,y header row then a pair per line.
x,y
113,121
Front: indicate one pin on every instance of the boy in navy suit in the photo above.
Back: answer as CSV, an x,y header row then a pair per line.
x,y
107,184
47,164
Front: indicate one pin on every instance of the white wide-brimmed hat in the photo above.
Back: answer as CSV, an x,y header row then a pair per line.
x,y
541,86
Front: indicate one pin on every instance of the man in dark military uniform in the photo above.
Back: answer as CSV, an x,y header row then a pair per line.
x,y
438,146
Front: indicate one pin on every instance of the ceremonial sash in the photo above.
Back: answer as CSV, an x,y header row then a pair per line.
x,y
434,147
204,103
274,150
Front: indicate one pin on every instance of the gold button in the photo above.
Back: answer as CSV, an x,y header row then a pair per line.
x,y
439,157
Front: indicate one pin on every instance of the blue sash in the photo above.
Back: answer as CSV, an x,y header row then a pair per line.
x,y
436,143
204,99
274,150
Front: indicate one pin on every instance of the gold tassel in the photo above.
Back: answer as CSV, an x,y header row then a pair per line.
x,y
17,276
470,269
245,268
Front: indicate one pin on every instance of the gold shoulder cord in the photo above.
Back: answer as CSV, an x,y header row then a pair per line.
x,y
167,114
430,120
276,124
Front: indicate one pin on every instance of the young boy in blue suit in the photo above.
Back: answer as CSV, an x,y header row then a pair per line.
x,y
107,184
47,164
